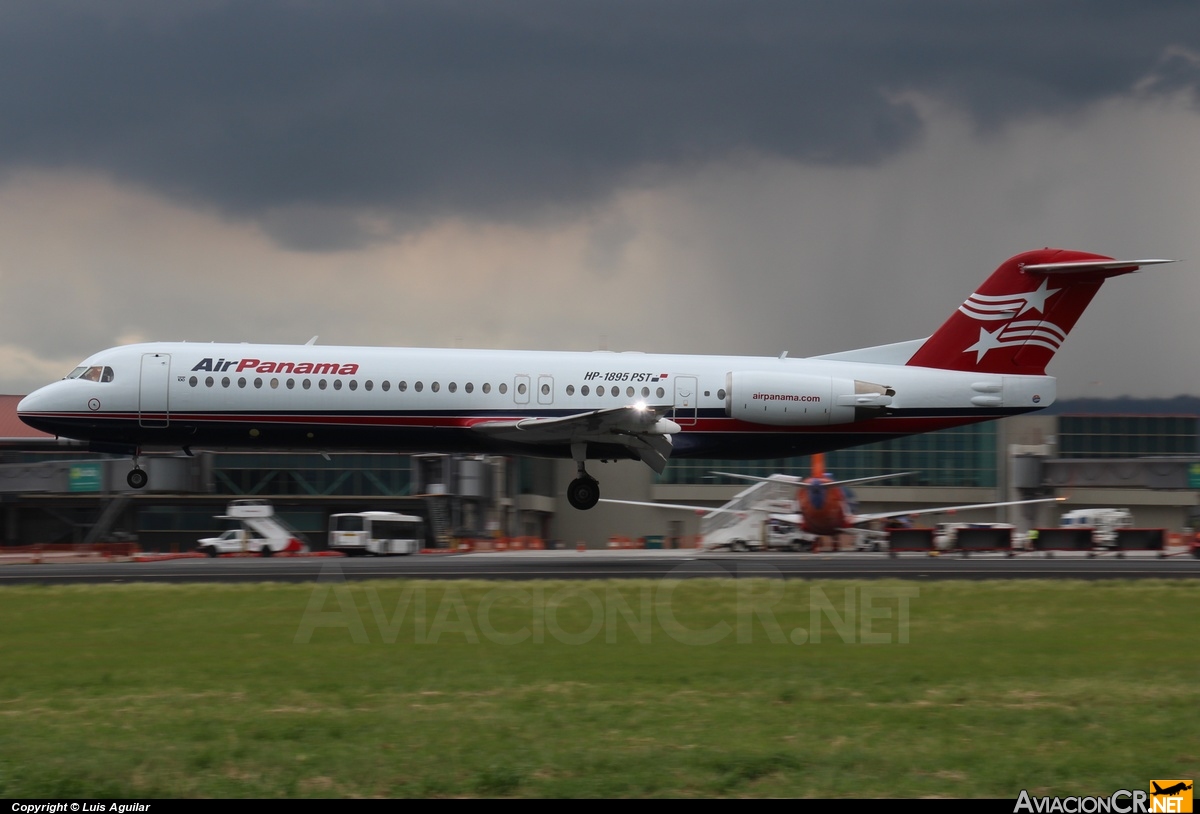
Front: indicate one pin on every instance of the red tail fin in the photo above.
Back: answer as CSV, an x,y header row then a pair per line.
x,y
1017,320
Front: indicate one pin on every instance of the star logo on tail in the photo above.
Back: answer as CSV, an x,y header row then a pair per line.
x,y
993,307
1007,308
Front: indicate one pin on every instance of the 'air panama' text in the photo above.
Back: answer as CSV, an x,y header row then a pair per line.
x,y
258,366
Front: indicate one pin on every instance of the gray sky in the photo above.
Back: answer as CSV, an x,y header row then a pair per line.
x,y
710,177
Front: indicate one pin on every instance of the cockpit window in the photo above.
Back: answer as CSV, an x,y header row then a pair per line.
x,y
95,373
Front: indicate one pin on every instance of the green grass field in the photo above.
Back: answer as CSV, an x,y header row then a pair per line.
x,y
701,687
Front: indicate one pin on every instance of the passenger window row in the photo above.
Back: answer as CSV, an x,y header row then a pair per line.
x,y
417,387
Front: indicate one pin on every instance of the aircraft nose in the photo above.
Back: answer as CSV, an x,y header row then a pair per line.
x,y
29,404
35,406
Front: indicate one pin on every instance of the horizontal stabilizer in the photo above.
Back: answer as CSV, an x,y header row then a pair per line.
x,y
1092,265
799,481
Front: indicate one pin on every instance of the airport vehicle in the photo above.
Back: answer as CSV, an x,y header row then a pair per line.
x,y
987,361
255,529
759,517
1103,522
945,536
376,533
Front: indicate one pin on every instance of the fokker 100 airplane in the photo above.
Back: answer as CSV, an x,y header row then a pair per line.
x,y
987,361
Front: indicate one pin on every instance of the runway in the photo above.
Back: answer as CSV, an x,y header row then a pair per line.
x,y
626,564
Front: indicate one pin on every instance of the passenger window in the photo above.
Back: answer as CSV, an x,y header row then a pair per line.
x,y
452,387
368,385
470,388
386,385
353,384
322,384
584,390
418,387
307,384
193,381
337,384
402,386
225,381
570,389
487,387
208,381
503,389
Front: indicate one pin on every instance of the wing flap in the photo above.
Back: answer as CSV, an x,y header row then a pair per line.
x,y
643,430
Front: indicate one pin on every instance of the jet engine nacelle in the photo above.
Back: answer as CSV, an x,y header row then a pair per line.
x,y
799,399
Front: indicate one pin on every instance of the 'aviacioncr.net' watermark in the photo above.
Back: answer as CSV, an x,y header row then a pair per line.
x,y
1163,797
582,612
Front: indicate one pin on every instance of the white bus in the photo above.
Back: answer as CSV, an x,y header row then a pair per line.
x,y
376,533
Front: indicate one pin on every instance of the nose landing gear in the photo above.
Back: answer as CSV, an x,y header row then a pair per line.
x,y
137,477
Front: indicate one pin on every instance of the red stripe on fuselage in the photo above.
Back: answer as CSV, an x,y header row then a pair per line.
x,y
885,425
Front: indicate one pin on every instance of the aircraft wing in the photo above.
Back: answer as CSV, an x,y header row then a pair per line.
x,y
642,429
797,480
793,518
680,506
860,519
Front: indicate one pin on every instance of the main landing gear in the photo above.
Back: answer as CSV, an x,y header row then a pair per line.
x,y
584,492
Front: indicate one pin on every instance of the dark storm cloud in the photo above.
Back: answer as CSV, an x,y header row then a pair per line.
x,y
422,109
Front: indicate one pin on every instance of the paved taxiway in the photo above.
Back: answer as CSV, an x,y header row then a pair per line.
x,y
682,564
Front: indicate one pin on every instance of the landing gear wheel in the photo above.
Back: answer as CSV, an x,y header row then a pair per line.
x,y
211,551
265,551
583,493
137,478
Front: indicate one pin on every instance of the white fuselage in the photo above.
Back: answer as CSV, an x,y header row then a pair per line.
x,y
326,398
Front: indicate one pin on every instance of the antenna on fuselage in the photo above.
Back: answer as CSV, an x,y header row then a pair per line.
x,y
312,341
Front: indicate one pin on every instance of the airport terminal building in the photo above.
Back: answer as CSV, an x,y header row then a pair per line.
x,y
51,491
